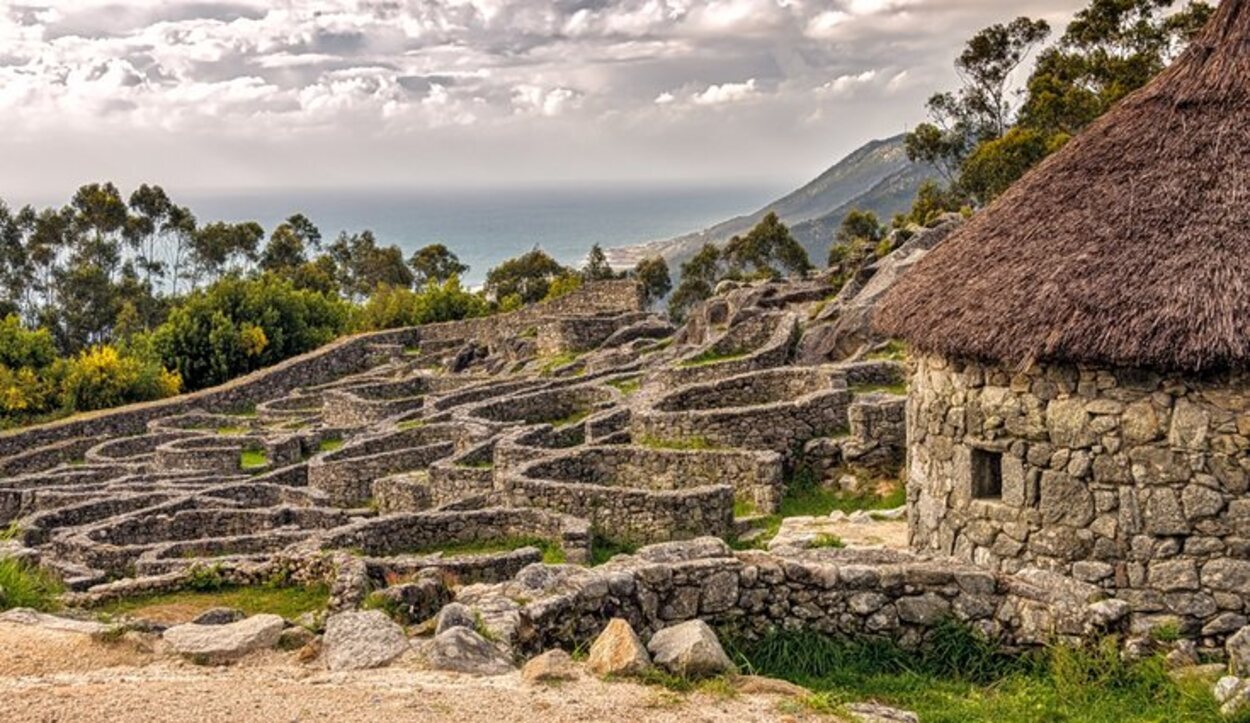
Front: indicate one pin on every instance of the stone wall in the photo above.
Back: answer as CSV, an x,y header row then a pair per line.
x,y
846,592
1125,479
777,409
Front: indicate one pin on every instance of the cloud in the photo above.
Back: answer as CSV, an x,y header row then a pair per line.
x,y
725,93
358,89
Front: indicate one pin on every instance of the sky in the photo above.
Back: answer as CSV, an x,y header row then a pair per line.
x,y
239,95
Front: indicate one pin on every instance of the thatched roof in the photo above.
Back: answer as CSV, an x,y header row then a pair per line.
x,y
1129,247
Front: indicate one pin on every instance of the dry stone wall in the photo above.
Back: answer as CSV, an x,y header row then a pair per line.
x,y
1124,479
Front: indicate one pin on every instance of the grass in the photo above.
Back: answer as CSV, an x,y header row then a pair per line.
x,y
826,541
806,497
253,458
961,677
658,346
479,464
712,356
627,386
410,424
412,351
232,431
289,601
744,508
571,419
330,445
26,586
603,548
11,532
892,351
548,365
688,443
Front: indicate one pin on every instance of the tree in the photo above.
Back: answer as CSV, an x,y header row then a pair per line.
x,y
363,265
597,267
767,247
980,109
528,277
219,246
699,276
435,263
859,230
284,252
150,222
652,274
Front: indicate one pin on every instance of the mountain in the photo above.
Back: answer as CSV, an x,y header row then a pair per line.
x,y
877,177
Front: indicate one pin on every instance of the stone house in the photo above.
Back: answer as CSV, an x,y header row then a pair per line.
x,y
1081,397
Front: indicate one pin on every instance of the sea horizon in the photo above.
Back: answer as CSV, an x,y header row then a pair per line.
x,y
487,225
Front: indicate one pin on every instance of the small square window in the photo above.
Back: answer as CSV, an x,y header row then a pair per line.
x,y
987,475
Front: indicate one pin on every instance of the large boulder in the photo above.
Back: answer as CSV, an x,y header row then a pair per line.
x,y
691,650
362,639
28,616
219,616
618,651
219,644
454,615
552,666
464,651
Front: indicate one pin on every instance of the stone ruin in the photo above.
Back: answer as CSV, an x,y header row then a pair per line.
x,y
375,464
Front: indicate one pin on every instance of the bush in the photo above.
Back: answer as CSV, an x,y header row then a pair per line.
x,y
240,325
101,377
392,306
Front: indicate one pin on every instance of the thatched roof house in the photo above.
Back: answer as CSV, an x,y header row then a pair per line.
x,y
1129,247
1081,400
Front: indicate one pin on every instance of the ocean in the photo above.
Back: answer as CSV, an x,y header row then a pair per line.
x,y
486,226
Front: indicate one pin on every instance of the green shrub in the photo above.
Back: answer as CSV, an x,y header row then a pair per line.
x,y
392,307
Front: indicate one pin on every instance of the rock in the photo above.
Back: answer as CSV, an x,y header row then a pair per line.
x,y
462,650
365,639
27,616
1232,693
454,615
877,713
1238,648
553,665
1225,688
759,685
219,644
1184,653
691,650
219,616
295,637
618,651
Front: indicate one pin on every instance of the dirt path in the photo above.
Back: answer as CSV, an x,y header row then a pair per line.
x,y
49,676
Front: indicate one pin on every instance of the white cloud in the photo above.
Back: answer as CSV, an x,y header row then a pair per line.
x,y
324,79
725,93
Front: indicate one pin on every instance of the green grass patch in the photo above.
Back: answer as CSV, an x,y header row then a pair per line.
x,y
892,351
806,497
410,424
412,351
744,508
478,464
603,548
959,676
688,443
253,459
711,356
286,600
571,419
11,532
232,431
627,386
825,541
658,346
23,585
330,445
549,364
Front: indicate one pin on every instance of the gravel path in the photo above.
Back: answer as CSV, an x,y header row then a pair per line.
x,y
50,676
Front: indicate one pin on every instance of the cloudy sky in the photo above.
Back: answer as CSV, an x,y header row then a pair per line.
x,y
201,95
